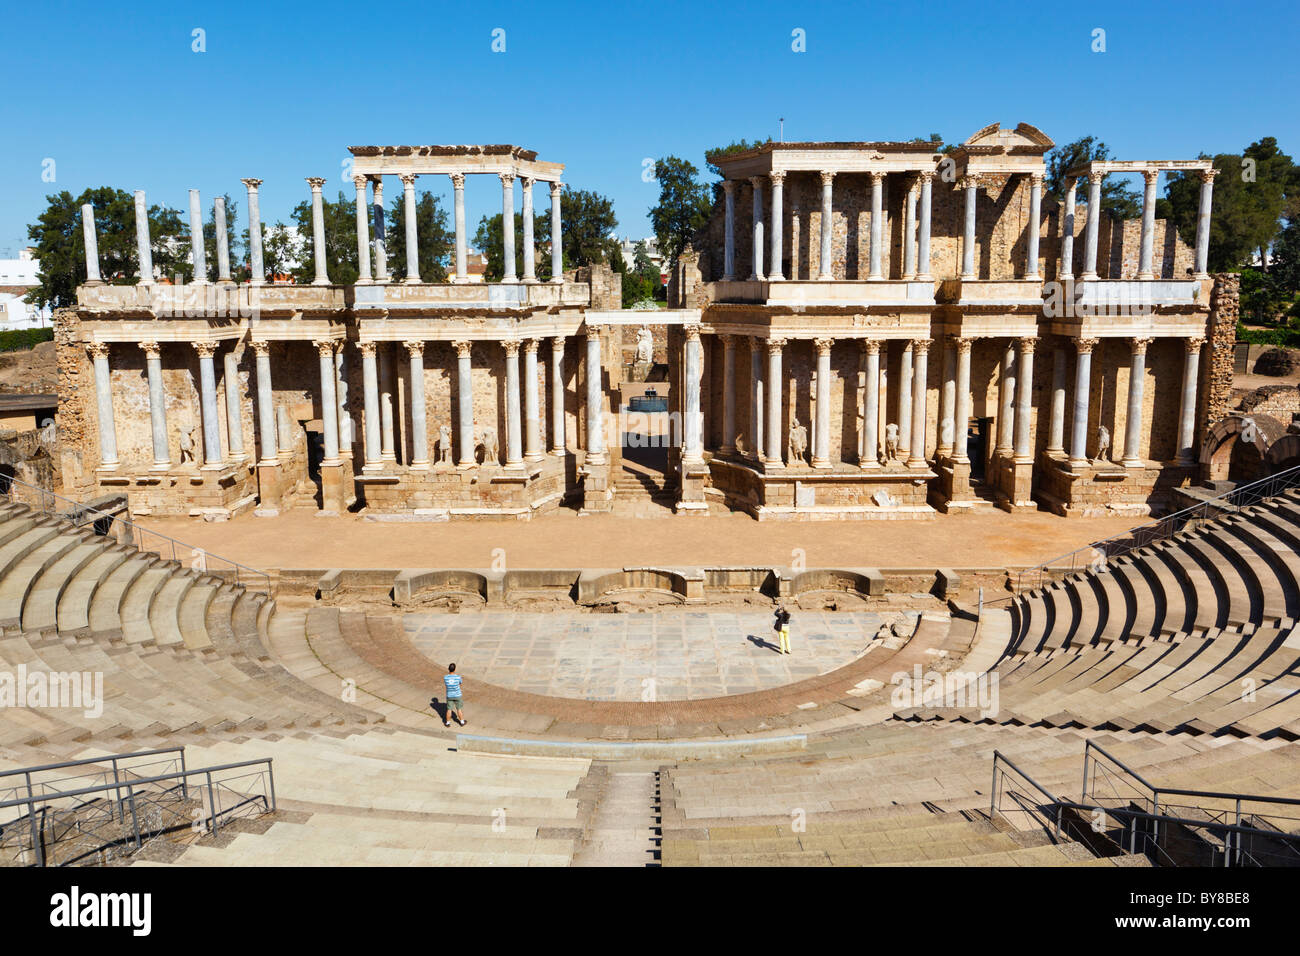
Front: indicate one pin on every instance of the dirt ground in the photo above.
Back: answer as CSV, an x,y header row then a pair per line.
x,y
300,539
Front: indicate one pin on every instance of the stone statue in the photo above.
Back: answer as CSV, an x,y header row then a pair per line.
x,y
891,443
485,437
645,346
798,441
1103,444
444,444
187,445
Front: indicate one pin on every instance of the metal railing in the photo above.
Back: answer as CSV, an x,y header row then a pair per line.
x,y
1008,780
126,531
118,765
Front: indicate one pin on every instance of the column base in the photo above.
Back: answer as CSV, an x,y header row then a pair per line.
x,y
596,493
320,281
334,493
411,281
270,487
821,463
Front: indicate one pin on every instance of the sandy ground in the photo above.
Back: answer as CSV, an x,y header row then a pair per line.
x,y
300,539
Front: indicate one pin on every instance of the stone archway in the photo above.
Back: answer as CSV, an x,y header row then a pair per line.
x,y
1235,448
1282,454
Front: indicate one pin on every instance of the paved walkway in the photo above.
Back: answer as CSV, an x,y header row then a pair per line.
x,y
637,657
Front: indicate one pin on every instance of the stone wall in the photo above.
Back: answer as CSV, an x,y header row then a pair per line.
x,y
78,444
1216,392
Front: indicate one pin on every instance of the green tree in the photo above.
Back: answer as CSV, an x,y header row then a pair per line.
x,y
736,146
340,241
434,241
588,223
1118,198
279,256
683,208
489,240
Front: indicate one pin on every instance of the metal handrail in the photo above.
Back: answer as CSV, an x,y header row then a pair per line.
x,y
1182,792
994,803
89,760
79,512
176,775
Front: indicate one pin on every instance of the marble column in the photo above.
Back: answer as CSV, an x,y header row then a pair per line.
x,y
208,405
870,451
508,227
557,395
530,260
728,394
1146,257
1056,431
104,405
595,400
905,399
381,235
198,254
557,243
775,272
458,189
947,398
1094,223
533,447
757,273
1082,391
143,245
1203,223
162,458
826,269
774,427
1007,401
920,370
222,238
821,454
265,404
961,426
923,237
234,411
693,446
1067,231
756,445
1035,225
318,230
419,410
465,404
341,393
256,268
387,429
909,232
514,442
370,386
729,235
1187,407
877,223
1024,399
1133,420
363,233
412,229
971,186
329,402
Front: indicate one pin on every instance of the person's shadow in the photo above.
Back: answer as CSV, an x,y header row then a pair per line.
x,y
439,708
761,643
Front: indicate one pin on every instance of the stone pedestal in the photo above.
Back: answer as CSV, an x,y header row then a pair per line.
x,y
336,488
694,479
597,495
952,491
1094,488
270,489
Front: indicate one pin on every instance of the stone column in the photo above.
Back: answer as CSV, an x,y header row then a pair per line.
x,y
381,248
971,185
557,395
1133,420
198,255
923,239
1094,222
729,236
921,348
947,397
1203,222
1067,231
514,443
962,412
363,233
1082,390
595,400
104,405
412,230
877,223
387,436
458,187
776,273
370,386
774,426
318,230
465,404
256,269
222,239
208,405
1187,408
870,452
728,394
1035,224
1024,399
693,446
157,405
821,455
1146,265
329,402
1056,432
419,410
909,232
905,399
234,412
341,392
265,404
757,273
1007,401
143,245
533,448
530,261
826,270
756,398
508,227
557,243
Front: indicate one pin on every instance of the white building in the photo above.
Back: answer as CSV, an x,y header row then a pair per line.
x,y
17,278
652,249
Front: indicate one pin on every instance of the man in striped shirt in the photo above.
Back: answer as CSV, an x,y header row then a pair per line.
x,y
454,700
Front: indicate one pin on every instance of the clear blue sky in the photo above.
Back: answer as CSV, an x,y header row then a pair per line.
x,y
119,98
